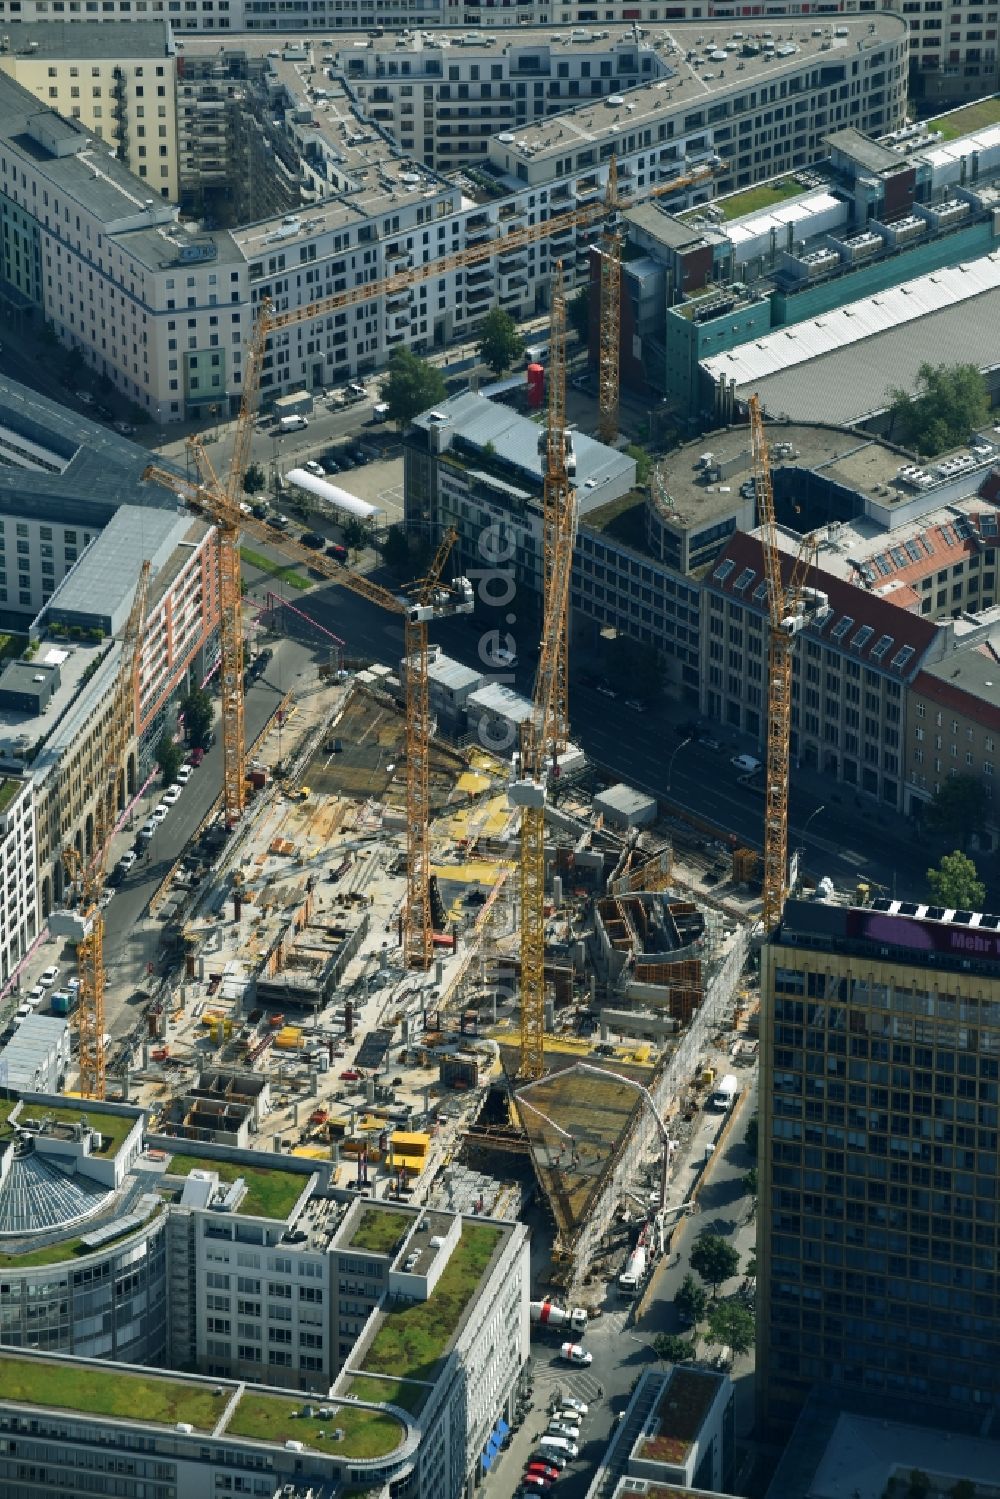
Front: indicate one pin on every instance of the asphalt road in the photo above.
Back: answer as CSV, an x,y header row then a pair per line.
x,y
131,935
620,1344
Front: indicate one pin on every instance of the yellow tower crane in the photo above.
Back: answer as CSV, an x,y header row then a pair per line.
x,y
610,328
92,870
790,606
419,603
543,733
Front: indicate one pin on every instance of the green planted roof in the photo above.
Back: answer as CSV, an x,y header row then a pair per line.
x,y
411,1339
379,1230
108,1392
347,1431
271,1192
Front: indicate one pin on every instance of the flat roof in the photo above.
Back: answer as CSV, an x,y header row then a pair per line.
x,y
66,39
866,152
272,1190
851,355
688,85
973,672
74,659
513,440
104,579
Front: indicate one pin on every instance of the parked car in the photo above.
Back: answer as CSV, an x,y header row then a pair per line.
x,y
316,469
184,775
126,862
570,1402
747,763
551,1459
337,551
536,1481
350,1075
85,398
147,830
48,977
260,510
561,1429
125,428
159,813
575,1353
196,756
279,522
606,689
313,540
173,794
547,1470
635,704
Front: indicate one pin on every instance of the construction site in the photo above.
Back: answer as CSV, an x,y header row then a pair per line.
x,y
409,960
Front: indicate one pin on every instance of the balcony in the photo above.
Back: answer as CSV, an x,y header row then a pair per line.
x,y
475,296
515,261
479,275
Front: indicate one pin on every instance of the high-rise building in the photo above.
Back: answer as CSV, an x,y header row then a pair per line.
x,y
879,1116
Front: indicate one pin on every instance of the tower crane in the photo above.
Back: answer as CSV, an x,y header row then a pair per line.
x,y
419,603
611,321
611,289
92,871
791,605
543,732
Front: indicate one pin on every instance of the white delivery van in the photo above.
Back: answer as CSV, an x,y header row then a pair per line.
x,y
380,411
292,423
558,1444
725,1094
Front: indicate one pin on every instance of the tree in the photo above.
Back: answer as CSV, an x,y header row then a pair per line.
x,y
410,387
714,1260
752,1263
671,1348
749,1182
355,535
959,808
919,1485
955,883
691,1300
197,710
396,551
963,1489
578,314
750,1138
500,345
254,480
168,758
732,1325
950,402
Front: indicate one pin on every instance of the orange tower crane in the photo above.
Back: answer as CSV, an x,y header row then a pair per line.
x,y
543,733
90,951
790,606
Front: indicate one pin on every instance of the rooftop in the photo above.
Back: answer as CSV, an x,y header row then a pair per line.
x,y
963,674
349,1431
60,39
103,582
271,1191
689,85
952,311
120,1394
379,1230
114,1127
510,440
866,152
875,631
411,1338
679,1416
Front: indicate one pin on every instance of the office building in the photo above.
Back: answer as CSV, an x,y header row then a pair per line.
x,y
274,1278
37,1057
117,80
19,919
879,1096
953,720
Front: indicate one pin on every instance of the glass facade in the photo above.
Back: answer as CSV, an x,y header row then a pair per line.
x,y
880,1106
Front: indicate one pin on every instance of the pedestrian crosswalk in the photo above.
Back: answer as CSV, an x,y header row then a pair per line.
x,y
583,1384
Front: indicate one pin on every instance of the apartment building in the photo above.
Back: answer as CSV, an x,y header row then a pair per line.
x,y
443,95
953,719
879,1096
164,312
272,1278
19,926
117,80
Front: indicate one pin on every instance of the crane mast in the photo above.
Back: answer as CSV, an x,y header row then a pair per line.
x,y
790,605
543,733
611,293
90,951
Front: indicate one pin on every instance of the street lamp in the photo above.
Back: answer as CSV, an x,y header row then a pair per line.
x,y
673,757
805,826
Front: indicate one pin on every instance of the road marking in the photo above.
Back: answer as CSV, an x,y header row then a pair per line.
x,y
850,857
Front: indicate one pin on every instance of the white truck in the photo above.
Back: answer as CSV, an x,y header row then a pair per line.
x,y
631,1279
725,1094
547,1314
292,423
